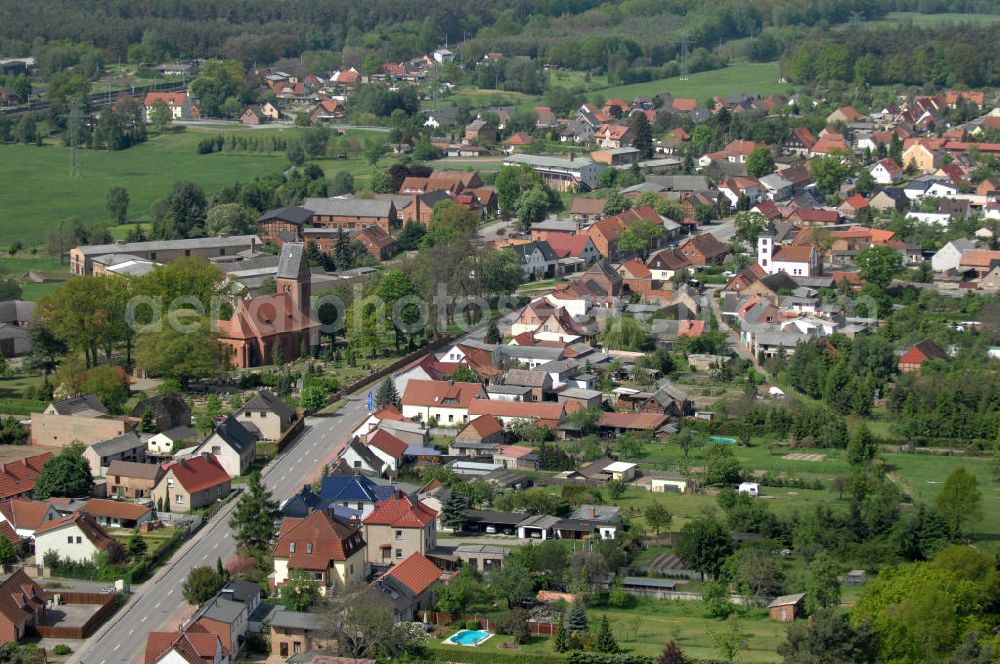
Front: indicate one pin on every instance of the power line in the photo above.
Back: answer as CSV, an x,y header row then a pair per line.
x,y
75,129
684,56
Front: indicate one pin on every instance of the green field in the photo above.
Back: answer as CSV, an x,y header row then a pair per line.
x,y
751,78
645,629
893,19
38,192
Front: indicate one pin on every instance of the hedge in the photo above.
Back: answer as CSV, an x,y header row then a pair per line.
x,y
492,656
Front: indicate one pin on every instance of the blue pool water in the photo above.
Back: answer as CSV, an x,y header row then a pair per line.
x,y
470,637
720,439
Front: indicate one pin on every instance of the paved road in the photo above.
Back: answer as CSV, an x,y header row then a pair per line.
x,y
157,605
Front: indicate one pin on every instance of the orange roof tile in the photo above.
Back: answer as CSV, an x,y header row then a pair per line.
x,y
400,512
199,473
312,542
417,573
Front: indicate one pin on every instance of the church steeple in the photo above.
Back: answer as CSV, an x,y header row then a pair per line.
x,y
293,275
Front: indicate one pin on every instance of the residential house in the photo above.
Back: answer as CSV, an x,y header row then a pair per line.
x,y
181,105
479,437
853,206
387,447
266,415
889,199
886,172
538,261
480,132
397,528
191,484
611,136
326,110
167,411
361,459
539,382
844,114
252,115
130,480
702,250
357,492
232,445
548,414
195,645
800,141
130,446
225,619
23,606
296,634
922,351
515,457
621,158
117,514
587,210
922,157
321,547
374,420
77,537
26,516
482,556
17,478
949,257
664,264
445,402
405,589
979,262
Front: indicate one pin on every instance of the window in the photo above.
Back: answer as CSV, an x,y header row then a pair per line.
x,y
357,464
291,548
152,255
309,547
351,568
399,534
399,554
216,449
79,539
69,539
180,499
451,418
187,252
170,483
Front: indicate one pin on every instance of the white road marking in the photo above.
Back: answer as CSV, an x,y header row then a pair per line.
x,y
117,647
157,605
142,621
204,556
170,592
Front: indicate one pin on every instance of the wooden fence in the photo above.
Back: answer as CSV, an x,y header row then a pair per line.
x,y
107,602
292,432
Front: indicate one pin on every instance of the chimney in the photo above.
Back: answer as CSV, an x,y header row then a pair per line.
x,y
593,512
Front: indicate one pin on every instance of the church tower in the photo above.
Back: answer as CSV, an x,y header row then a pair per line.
x,y
765,251
293,275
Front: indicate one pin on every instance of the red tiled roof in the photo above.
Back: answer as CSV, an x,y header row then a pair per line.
x,y
24,513
525,409
115,509
196,645
793,253
19,598
684,104
643,421
636,269
566,245
979,257
388,443
439,393
265,316
18,477
513,451
400,512
318,539
483,426
416,573
171,99
587,205
690,328
7,532
827,145
857,201
85,523
199,473
817,215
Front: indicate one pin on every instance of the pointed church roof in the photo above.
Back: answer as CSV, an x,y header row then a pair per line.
x,y
292,263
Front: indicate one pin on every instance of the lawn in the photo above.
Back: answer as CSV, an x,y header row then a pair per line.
x,y
38,192
922,476
646,628
154,539
752,78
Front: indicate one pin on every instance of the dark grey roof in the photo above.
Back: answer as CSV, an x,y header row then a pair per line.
x,y
292,214
267,400
166,245
119,444
224,610
293,264
13,311
161,405
532,352
296,620
349,207
525,250
235,434
494,516
79,404
242,591
366,455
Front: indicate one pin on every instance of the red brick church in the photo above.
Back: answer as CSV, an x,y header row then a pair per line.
x,y
261,325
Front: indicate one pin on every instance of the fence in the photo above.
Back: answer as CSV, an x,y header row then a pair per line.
x,y
293,431
108,603
389,369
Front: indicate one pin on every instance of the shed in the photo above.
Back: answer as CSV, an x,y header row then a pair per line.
x,y
641,586
621,470
787,607
670,483
856,577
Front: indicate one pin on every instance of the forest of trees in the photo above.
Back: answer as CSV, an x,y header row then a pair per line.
x,y
941,56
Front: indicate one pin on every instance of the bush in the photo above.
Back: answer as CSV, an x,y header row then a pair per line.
x,y
472,624
61,649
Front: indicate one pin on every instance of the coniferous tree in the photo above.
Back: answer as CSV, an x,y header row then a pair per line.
x,y
559,643
386,395
493,335
255,516
576,621
453,511
605,638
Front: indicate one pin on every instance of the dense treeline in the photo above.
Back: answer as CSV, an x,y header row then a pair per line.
x,y
942,56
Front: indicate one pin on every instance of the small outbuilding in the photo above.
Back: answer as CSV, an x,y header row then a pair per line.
x,y
787,607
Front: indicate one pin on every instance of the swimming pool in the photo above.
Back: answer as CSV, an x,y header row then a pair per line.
x,y
468,637
721,439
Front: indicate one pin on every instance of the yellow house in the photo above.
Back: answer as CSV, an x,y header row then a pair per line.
x,y
320,546
922,157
